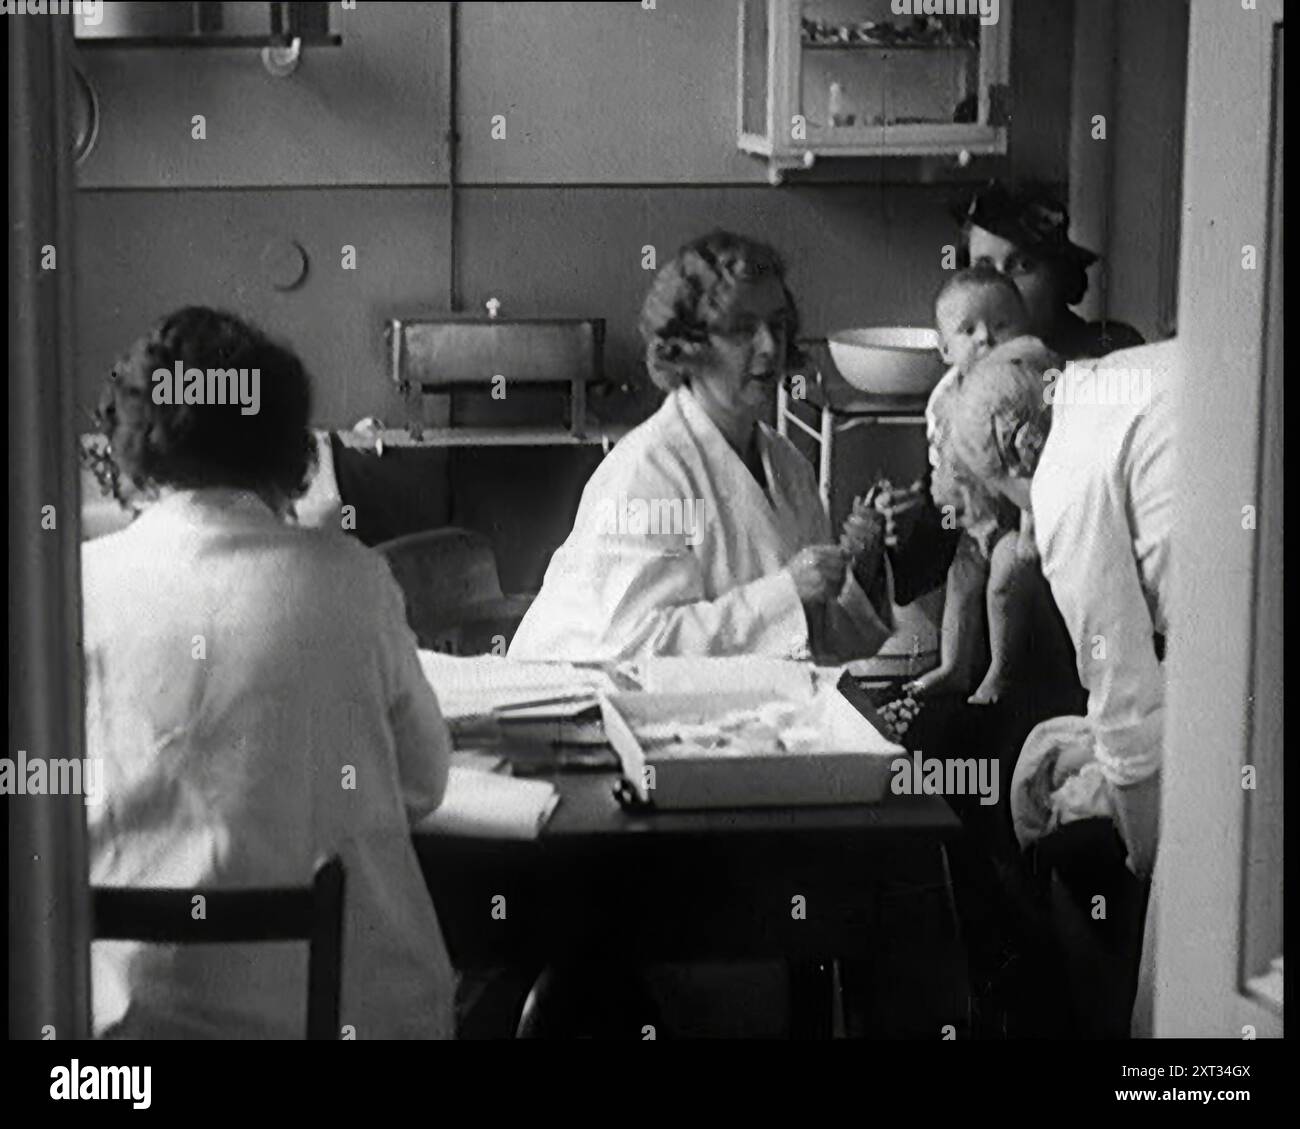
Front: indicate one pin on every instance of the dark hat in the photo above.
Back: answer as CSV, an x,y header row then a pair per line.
x,y
1028,215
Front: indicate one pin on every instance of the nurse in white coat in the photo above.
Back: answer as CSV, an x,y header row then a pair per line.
x,y
703,533
255,701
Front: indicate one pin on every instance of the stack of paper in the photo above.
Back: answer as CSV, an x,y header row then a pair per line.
x,y
779,677
490,685
490,805
474,760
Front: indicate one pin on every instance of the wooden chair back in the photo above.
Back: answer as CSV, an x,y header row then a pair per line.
x,y
291,913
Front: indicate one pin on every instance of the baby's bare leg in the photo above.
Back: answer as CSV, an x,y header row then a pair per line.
x,y
1009,611
963,622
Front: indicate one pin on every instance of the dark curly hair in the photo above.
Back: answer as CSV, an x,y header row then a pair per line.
x,y
691,297
212,444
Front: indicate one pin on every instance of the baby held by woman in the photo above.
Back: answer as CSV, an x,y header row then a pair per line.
x,y
977,309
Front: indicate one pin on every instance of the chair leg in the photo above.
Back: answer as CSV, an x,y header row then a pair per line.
x,y
812,999
325,953
588,1001
489,1002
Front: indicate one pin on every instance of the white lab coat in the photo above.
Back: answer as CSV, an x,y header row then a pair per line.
x,y
624,586
1102,500
255,696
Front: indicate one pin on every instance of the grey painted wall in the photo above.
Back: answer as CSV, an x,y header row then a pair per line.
x,y
620,133
1151,81
370,112
592,93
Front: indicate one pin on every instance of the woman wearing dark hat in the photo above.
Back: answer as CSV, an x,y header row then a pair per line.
x,y
1022,231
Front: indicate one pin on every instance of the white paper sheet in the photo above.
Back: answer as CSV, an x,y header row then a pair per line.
x,y
485,685
779,677
492,806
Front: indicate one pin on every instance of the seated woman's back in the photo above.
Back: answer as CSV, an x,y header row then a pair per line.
x,y
254,696
254,707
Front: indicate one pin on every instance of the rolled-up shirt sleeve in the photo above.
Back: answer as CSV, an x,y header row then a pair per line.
x,y
1088,558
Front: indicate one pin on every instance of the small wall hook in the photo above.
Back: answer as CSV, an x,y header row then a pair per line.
x,y
284,60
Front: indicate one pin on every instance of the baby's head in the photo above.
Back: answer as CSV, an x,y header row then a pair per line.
x,y
976,310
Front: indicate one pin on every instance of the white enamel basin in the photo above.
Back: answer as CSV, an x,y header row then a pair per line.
x,y
889,360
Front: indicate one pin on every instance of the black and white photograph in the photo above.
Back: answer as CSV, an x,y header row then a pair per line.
x,y
648,521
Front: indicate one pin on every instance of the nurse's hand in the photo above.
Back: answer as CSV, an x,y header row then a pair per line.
x,y
864,529
863,539
818,572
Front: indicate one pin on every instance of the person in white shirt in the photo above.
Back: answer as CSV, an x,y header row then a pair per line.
x,y
1090,454
255,697
703,532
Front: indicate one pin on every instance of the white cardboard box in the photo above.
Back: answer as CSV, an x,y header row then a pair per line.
x,y
853,769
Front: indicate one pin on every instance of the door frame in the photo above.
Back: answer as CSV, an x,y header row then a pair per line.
x,y
1224,696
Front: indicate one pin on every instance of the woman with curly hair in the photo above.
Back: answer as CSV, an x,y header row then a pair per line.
x,y
703,532
255,698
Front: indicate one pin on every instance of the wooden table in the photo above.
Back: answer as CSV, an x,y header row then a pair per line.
x,y
712,885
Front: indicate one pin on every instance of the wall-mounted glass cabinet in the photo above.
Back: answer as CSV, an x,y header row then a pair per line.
x,y
204,23
854,78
